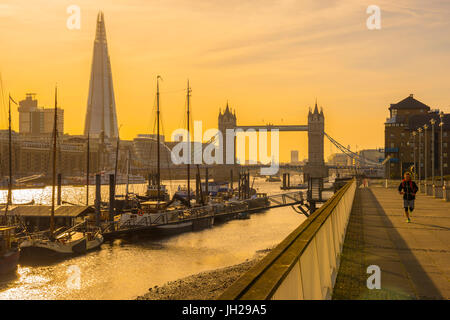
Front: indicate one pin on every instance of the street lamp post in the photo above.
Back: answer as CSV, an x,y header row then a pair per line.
x,y
441,124
414,133
432,121
420,153
425,153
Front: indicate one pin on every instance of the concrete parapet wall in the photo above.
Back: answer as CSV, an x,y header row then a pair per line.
x,y
304,265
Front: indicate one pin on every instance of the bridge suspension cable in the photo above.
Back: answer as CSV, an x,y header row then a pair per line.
x,y
350,153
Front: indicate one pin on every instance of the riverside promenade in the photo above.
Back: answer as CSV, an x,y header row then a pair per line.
x,y
414,258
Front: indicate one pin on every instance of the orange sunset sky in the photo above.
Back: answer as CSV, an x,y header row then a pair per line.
x,y
269,59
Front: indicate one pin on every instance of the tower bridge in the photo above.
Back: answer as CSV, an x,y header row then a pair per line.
x,y
281,128
315,129
316,134
315,170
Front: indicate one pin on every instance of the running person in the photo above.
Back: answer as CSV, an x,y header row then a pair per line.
x,y
408,189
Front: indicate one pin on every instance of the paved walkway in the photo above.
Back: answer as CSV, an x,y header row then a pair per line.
x,y
414,258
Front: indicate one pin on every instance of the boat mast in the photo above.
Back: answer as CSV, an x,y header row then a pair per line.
x,y
117,162
188,148
158,178
128,174
87,169
55,133
9,201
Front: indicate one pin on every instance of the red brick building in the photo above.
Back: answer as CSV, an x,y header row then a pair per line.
x,y
407,118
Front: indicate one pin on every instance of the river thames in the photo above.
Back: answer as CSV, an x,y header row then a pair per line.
x,y
124,269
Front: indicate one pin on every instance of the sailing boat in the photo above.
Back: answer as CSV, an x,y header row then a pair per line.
x,y
77,239
186,193
157,209
9,249
157,191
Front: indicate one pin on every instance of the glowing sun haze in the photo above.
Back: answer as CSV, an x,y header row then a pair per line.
x,y
269,59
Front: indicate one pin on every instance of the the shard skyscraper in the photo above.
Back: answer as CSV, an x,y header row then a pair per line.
x,y
101,107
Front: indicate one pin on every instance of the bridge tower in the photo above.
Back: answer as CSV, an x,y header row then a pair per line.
x,y
315,170
227,120
316,126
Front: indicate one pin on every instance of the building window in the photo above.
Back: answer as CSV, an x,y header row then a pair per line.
x,y
445,144
445,134
392,145
402,134
445,154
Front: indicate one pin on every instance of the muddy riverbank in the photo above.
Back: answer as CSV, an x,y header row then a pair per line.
x,y
207,285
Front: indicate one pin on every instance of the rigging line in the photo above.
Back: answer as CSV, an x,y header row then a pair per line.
x,y
161,120
172,91
350,153
4,113
152,130
4,110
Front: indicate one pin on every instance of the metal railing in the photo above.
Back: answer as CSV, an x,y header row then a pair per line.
x,y
305,264
284,199
181,215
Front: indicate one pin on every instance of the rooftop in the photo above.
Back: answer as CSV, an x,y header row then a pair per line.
x,y
65,211
416,121
409,103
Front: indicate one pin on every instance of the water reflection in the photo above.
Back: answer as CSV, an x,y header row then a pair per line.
x,y
125,269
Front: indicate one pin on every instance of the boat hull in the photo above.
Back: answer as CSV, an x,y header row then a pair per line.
x,y
9,261
80,247
53,249
172,229
257,203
